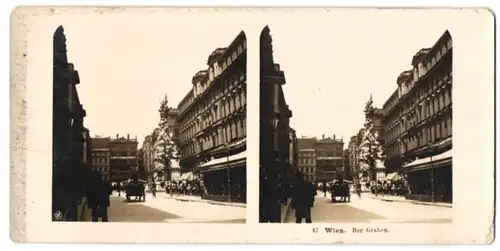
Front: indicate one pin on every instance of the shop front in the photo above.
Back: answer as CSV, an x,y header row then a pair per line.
x,y
224,179
431,179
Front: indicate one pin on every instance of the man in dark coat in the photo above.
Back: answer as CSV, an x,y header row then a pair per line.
x,y
98,197
303,194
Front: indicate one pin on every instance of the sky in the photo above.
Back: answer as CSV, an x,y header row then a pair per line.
x,y
127,64
333,65
332,61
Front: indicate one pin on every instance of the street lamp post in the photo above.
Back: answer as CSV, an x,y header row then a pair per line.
x,y
229,199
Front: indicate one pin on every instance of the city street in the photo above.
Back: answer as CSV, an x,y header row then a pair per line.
x,y
370,210
162,209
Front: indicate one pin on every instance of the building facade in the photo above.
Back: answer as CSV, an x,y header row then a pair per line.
x,y
212,123
329,159
307,158
347,166
70,169
101,156
148,155
418,123
307,164
352,149
275,170
123,158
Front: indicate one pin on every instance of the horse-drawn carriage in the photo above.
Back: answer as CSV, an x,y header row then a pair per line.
x,y
136,188
341,189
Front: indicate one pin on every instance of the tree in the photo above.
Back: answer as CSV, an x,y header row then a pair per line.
x,y
370,150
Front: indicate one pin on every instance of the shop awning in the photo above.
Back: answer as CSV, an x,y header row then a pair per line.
x,y
224,162
393,176
189,176
440,159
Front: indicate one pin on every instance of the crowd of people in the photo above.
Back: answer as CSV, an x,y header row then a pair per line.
x,y
237,190
397,188
182,188
197,188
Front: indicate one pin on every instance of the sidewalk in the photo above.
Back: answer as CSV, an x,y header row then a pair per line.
x,y
394,198
285,209
190,198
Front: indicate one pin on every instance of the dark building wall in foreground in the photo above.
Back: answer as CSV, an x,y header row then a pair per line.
x,y
274,141
70,168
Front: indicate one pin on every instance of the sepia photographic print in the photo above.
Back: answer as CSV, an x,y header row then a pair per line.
x,y
390,160
137,125
142,133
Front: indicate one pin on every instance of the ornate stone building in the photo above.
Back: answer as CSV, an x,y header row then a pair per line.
x,y
212,123
123,160
418,123
70,157
329,159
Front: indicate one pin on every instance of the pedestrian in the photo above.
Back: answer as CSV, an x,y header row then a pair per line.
x,y
324,189
119,188
358,189
98,198
153,190
303,194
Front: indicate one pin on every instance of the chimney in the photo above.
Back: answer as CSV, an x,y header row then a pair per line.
x,y
128,136
323,137
334,137
117,136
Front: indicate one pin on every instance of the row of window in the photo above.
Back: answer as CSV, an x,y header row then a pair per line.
x,y
329,153
437,102
114,153
419,72
307,161
432,60
123,162
102,169
330,162
307,170
214,71
429,134
217,110
225,133
426,89
100,160
218,68
307,154
101,153
392,101
223,89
